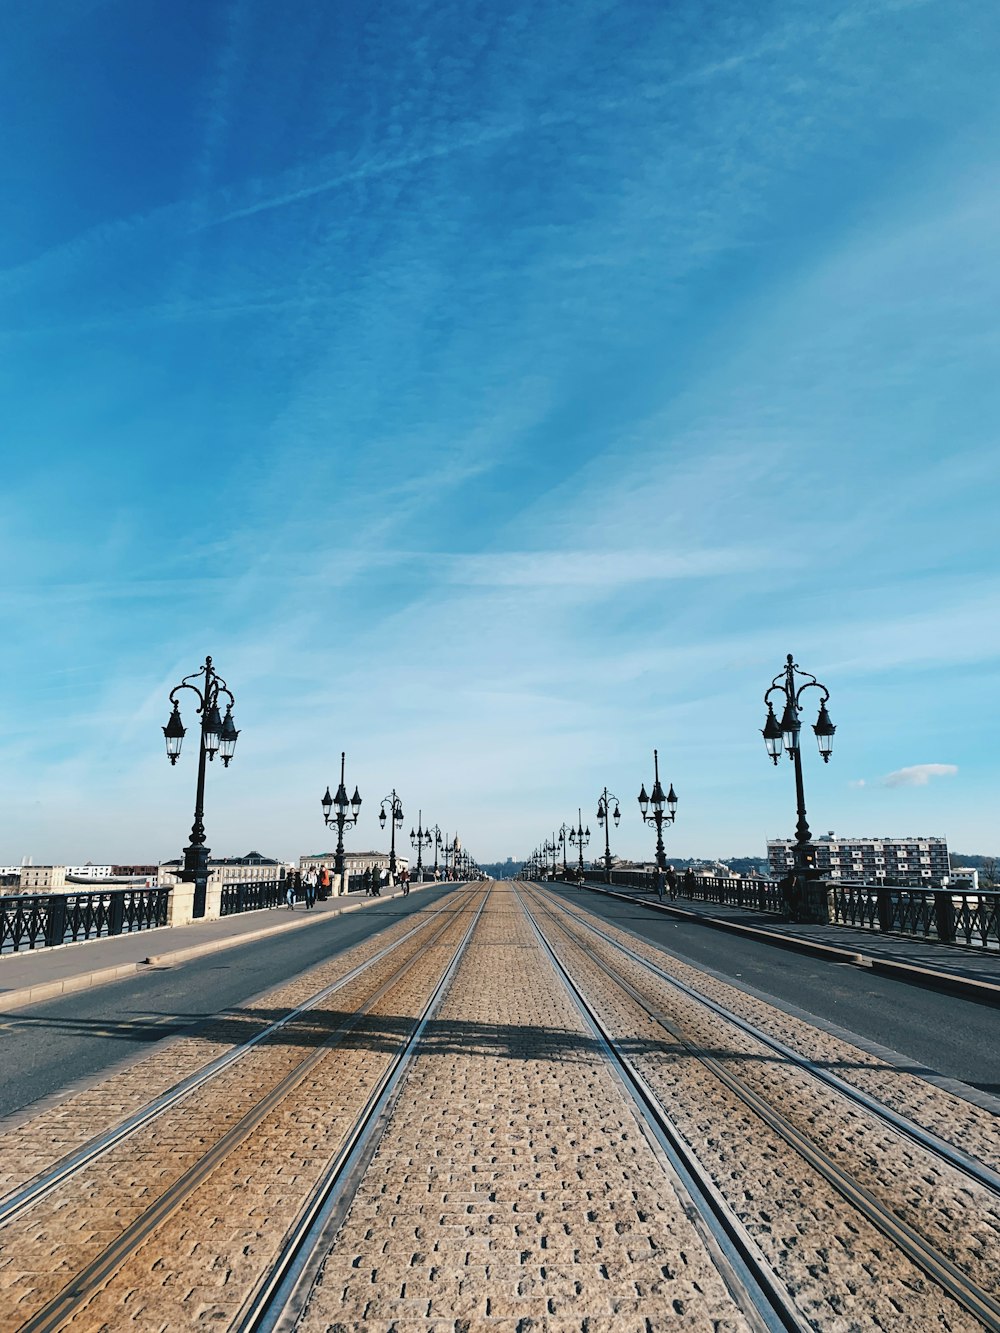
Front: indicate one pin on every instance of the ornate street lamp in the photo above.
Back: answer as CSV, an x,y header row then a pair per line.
x,y
395,817
563,837
659,810
438,836
579,837
346,816
419,839
218,736
785,734
604,818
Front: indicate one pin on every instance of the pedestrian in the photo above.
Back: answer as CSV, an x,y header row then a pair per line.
x,y
366,881
310,887
689,883
323,888
383,881
672,881
290,891
404,880
658,883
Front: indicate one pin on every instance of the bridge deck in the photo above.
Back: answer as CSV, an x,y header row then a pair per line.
x,y
509,1179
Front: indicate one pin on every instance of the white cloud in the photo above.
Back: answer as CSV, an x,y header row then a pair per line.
x,y
918,775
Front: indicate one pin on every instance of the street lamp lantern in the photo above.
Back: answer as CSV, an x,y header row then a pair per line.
x,y
337,810
174,733
772,735
207,686
227,737
824,730
664,810
801,903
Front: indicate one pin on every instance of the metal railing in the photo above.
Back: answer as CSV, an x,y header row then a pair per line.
x,y
43,920
948,916
253,896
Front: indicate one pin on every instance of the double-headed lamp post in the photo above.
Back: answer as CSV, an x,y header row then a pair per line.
x,y
786,734
419,839
345,816
604,818
563,837
664,810
395,817
438,837
218,736
579,837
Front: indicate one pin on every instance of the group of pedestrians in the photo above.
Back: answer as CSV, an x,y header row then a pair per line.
x,y
374,879
310,885
668,879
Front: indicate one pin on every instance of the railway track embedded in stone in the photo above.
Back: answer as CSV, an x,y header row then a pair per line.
x,y
135,1181
592,961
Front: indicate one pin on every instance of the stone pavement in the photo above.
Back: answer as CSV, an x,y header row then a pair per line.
x,y
45,974
972,972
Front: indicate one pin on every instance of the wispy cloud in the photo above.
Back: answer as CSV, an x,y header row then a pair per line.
x,y
918,775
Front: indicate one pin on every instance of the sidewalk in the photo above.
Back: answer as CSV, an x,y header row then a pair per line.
x,y
45,974
973,973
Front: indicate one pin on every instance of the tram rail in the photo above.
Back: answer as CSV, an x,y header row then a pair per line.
x,y
86,1278
922,1252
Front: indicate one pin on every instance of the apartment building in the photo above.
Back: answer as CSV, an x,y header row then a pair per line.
x,y
911,860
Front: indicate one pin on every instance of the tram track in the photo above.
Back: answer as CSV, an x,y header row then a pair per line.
x,y
589,950
27,1195
399,969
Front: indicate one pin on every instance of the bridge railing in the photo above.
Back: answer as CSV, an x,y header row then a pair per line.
x,y
253,896
948,916
42,920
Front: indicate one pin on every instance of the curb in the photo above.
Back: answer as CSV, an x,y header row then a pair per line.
x,y
52,990
984,992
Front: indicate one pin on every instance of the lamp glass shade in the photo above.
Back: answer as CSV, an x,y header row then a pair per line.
x,y
772,734
617,816
381,816
672,800
356,802
657,798
824,730
211,730
327,804
173,734
790,727
643,800
228,735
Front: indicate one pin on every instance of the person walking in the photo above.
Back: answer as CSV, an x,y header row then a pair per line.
x,y
658,881
404,880
310,887
689,883
383,881
671,882
323,888
290,890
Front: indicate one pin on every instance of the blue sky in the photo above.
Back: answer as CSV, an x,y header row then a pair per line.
x,y
498,392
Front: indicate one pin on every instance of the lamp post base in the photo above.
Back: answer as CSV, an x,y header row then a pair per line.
x,y
196,873
807,900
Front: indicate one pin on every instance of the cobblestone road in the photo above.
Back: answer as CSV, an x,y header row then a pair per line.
x,y
513,1183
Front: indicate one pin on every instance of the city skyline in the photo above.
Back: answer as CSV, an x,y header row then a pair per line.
x,y
497,397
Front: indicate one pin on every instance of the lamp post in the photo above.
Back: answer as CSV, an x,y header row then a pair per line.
x,y
456,849
419,839
563,837
395,817
657,816
218,736
438,839
447,855
346,817
604,818
579,837
801,903
552,847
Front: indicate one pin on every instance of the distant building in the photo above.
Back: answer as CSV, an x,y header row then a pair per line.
x,y
355,863
915,860
253,867
42,877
